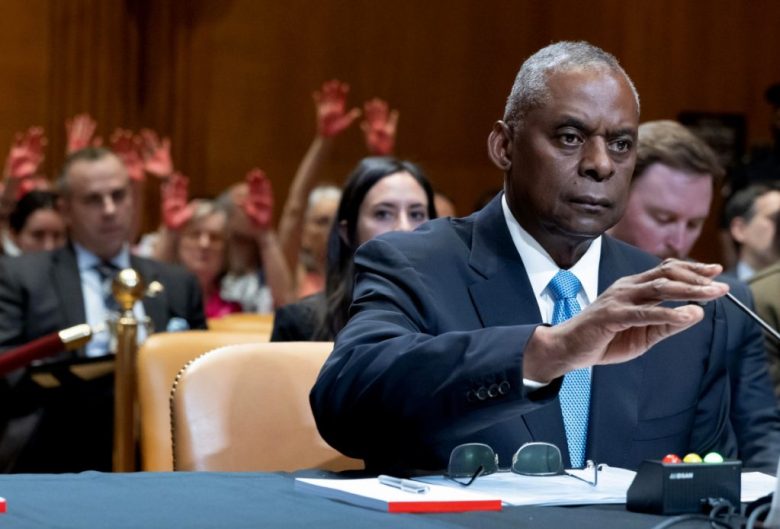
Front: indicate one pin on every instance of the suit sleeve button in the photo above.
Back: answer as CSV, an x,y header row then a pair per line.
x,y
493,391
504,387
482,393
471,396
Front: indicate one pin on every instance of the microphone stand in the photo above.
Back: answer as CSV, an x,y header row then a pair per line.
x,y
755,317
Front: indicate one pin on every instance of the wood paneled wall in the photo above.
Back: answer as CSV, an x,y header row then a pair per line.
x,y
231,81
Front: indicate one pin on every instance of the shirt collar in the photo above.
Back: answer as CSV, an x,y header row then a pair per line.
x,y
744,271
87,260
541,268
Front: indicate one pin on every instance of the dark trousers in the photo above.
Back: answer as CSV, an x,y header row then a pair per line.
x,y
68,428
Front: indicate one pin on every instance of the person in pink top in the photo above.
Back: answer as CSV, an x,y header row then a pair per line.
x,y
194,236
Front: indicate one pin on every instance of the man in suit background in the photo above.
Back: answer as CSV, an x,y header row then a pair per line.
x,y
69,427
671,193
765,286
749,215
446,343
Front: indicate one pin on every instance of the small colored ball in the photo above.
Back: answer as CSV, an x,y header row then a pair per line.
x,y
713,457
671,458
692,458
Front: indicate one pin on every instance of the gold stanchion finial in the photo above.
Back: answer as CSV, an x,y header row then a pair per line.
x,y
128,287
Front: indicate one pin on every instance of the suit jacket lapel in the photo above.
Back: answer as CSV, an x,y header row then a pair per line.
x,y
66,280
506,284
614,388
155,307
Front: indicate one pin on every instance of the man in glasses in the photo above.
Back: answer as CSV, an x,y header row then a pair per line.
x,y
670,199
447,343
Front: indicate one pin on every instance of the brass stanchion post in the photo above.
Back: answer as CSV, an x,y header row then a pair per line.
x,y
128,287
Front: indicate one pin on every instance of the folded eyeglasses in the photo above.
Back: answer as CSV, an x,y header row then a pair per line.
x,y
472,460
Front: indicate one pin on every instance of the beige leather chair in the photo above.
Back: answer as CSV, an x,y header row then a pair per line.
x,y
246,408
159,360
244,322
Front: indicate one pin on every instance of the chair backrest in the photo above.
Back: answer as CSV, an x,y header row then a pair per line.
x,y
244,322
160,358
246,408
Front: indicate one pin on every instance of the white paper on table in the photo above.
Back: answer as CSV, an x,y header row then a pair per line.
x,y
756,485
514,489
613,483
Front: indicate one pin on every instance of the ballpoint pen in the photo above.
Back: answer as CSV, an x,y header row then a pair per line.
x,y
406,485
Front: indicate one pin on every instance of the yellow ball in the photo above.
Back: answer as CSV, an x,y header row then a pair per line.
x,y
692,458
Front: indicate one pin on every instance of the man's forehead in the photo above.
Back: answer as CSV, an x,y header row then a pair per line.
x,y
107,172
592,89
661,183
769,201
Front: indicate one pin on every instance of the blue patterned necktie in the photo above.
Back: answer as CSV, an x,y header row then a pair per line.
x,y
107,271
575,390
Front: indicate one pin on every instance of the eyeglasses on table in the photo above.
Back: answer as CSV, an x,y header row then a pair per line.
x,y
472,460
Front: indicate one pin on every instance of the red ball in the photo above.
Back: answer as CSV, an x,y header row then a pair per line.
x,y
671,458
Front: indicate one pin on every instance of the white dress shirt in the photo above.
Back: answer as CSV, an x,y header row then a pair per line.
x,y
541,268
94,306
744,271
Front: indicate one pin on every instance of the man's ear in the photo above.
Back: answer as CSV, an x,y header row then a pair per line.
x,y
737,229
500,145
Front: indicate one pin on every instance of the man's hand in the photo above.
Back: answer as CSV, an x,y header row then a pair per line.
x,y
625,320
26,154
259,203
127,146
379,127
156,154
79,132
175,209
331,102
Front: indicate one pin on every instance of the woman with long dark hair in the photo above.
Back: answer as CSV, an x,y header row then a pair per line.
x,y
382,194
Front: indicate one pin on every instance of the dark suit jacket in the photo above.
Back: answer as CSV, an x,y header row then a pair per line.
x,y
766,291
755,415
432,357
68,428
300,321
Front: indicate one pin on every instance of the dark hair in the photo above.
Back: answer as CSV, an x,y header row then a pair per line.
x,y
29,204
742,204
530,89
339,274
89,154
672,144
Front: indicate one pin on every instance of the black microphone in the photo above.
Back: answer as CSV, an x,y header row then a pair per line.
x,y
744,308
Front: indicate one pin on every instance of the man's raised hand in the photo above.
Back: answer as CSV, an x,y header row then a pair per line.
x,y
625,320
